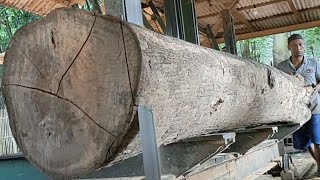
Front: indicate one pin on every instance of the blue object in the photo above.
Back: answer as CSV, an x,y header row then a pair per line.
x,y
16,167
308,133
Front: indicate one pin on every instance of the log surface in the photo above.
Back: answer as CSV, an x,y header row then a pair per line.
x,y
72,82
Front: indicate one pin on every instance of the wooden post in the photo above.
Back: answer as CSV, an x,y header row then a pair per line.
x,y
228,29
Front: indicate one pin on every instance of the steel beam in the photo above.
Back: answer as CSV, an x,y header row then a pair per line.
x,y
181,20
175,158
241,167
128,10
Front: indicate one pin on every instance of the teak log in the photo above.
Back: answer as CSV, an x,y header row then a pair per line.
x,y
73,80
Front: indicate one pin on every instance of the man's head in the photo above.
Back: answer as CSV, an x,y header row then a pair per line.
x,y
296,45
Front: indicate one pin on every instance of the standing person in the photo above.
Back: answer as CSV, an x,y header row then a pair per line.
x,y
309,69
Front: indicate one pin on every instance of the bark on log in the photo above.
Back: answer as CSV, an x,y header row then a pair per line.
x,y
72,82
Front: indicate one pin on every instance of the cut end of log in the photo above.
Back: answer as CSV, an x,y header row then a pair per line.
x,y
70,83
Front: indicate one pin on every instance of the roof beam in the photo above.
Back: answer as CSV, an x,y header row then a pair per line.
x,y
219,23
212,1
243,8
260,5
237,15
274,31
295,11
284,14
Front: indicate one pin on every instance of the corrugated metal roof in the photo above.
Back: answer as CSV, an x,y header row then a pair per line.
x,y
205,8
305,4
276,22
261,14
40,7
311,15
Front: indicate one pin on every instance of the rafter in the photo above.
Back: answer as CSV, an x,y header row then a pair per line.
x,y
284,14
295,11
274,31
244,8
260,5
237,15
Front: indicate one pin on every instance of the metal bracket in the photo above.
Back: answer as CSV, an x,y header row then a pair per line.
x,y
149,144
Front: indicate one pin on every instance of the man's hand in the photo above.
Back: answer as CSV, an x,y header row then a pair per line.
x,y
299,76
317,88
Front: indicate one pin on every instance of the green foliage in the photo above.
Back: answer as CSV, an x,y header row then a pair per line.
x,y
258,49
312,40
93,5
11,20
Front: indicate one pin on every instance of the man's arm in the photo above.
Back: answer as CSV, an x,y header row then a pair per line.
x,y
317,86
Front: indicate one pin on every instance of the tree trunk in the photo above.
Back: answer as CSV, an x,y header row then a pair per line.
x,y
245,50
73,80
280,48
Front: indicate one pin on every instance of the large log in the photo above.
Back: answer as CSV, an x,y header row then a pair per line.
x,y
73,80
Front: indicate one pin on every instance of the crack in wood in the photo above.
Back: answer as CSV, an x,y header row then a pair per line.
x,y
94,21
50,93
32,62
270,79
126,57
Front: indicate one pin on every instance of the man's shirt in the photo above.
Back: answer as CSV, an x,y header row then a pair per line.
x,y
310,70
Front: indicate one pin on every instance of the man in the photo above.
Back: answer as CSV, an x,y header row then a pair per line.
x,y
309,69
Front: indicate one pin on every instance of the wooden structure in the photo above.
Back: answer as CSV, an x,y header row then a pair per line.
x,y
74,105
40,7
254,18
246,24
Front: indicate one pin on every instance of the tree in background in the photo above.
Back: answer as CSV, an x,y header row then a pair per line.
x,y
258,49
312,39
10,21
280,48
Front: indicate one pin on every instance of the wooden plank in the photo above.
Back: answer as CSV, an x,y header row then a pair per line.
x,y
261,171
240,167
274,31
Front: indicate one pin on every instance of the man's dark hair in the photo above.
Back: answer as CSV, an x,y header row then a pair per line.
x,y
293,37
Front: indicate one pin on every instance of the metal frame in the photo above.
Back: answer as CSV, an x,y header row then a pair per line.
x,y
128,10
191,155
241,167
175,158
181,20
151,162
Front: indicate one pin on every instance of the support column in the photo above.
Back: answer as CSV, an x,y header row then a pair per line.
x,y
229,33
181,20
128,10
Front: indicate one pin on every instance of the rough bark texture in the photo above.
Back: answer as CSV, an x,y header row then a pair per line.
x,y
73,79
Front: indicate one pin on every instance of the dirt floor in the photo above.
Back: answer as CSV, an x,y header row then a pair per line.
x,y
304,163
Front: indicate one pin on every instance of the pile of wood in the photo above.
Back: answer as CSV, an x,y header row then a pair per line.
x,y
74,79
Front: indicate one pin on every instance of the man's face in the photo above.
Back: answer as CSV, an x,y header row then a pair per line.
x,y
296,47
